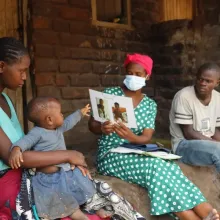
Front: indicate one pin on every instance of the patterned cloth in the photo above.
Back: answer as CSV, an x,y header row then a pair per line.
x,y
25,206
169,190
105,197
115,205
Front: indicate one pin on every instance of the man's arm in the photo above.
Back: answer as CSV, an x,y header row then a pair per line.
x,y
216,136
190,134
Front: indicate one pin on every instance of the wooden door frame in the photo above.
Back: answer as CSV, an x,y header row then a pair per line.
x,y
25,35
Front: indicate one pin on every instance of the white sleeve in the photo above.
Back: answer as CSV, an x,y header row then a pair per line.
x,y
217,107
183,113
218,121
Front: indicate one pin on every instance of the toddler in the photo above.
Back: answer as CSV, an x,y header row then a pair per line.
x,y
58,190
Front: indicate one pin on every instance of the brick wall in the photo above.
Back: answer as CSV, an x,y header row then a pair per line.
x,y
71,55
174,56
179,47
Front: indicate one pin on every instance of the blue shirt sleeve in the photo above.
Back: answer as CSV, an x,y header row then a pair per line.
x,y
29,140
71,121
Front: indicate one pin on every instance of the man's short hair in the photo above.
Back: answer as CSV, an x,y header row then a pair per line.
x,y
209,66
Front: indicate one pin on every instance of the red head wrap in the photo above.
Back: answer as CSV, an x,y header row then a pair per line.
x,y
143,60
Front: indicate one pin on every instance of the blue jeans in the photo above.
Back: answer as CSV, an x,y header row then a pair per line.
x,y
200,153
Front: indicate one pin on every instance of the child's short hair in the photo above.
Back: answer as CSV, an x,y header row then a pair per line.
x,y
37,106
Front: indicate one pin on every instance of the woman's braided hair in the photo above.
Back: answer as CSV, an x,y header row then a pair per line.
x,y
11,50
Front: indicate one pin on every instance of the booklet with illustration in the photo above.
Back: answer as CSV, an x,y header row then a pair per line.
x,y
159,153
106,107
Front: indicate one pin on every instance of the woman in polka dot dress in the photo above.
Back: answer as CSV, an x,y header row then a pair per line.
x,y
169,190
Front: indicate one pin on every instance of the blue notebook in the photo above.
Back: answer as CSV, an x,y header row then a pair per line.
x,y
152,150
145,147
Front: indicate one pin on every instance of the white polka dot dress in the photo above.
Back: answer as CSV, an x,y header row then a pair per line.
x,y
169,190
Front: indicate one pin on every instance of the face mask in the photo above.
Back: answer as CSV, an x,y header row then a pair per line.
x,y
134,83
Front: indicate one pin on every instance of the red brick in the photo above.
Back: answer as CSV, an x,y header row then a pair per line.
x,y
112,55
43,50
103,43
75,14
133,47
41,22
106,68
72,40
62,80
45,9
44,79
85,53
112,80
75,93
46,65
48,91
120,45
36,2
99,89
108,32
81,27
72,105
107,43
61,25
150,91
46,37
60,1
73,66
80,3
63,52
85,80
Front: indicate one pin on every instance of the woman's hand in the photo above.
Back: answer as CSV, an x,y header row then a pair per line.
x,y
107,128
76,158
123,132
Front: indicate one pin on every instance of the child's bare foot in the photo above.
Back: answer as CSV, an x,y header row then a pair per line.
x,y
103,213
79,215
213,215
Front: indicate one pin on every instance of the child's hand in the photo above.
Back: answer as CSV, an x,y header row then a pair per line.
x,y
85,171
86,110
16,158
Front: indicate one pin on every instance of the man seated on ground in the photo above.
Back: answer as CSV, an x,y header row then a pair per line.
x,y
195,118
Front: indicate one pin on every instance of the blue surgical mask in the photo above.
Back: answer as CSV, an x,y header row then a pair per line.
x,y
134,83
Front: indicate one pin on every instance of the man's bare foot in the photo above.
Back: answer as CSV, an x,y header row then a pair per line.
x,y
213,215
103,213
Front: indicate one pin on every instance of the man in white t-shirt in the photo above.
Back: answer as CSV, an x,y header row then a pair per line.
x,y
195,118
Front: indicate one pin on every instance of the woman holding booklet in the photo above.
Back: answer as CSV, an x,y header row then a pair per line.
x,y
169,190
